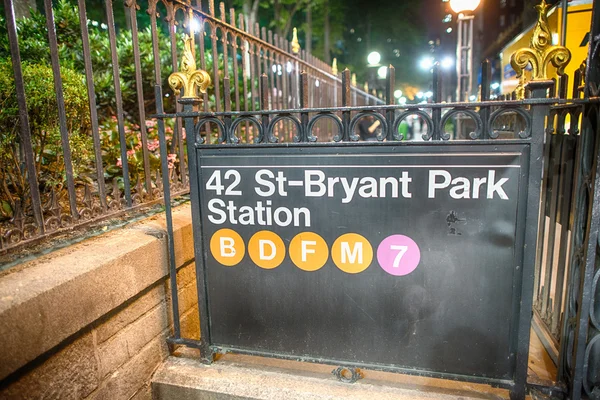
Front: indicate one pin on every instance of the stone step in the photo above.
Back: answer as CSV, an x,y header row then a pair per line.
x,y
246,377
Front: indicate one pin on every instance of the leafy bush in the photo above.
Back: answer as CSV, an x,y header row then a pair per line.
x,y
45,133
35,54
33,45
111,153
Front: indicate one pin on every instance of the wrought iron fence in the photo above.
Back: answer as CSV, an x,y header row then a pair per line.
x,y
533,120
126,163
565,276
562,140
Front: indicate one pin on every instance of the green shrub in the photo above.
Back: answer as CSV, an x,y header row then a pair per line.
x,y
45,134
35,54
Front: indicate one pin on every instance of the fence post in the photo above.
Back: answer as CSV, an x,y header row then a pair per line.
x,y
304,135
436,113
346,134
539,112
484,112
190,81
389,97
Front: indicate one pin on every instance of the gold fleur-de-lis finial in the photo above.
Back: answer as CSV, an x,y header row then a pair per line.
x,y
334,69
366,87
541,53
295,42
353,80
189,79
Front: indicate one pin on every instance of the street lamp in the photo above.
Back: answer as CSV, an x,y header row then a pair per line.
x,y
461,6
382,72
426,63
447,62
464,47
374,58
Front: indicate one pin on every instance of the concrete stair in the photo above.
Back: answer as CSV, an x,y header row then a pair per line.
x,y
246,377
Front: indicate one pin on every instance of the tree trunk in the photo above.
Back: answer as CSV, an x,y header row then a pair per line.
x,y
309,29
290,20
250,9
326,41
22,8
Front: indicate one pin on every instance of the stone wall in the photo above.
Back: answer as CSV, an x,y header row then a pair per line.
x,y
90,321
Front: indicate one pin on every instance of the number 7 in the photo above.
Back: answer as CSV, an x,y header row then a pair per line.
x,y
401,251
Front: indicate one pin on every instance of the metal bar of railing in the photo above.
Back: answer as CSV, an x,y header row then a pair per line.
x,y
437,98
168,214
234,52
245,72
173,44
303,95
25,129
60,103
118,99
178,146
132,6
486,80
551,213
215,56
345,135
252,57
224,42
390,84
563,206
201,37
89,78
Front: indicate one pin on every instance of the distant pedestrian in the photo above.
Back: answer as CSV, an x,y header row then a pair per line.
x,y
367,128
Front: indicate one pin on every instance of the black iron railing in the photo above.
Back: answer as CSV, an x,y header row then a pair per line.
x,y
120,164
487,122
564,277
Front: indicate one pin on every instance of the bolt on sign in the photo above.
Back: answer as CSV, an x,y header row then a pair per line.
x,y
381,255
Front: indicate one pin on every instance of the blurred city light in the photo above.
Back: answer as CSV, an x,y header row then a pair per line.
x,y
398,93
374,58
426,63
382,72
447,62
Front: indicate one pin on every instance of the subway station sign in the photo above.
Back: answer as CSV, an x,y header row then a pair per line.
x,y
405,256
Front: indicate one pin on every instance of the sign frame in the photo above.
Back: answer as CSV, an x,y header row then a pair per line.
x,y
522,290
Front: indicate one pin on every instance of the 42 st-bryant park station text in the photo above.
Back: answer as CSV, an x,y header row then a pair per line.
x,y
316,183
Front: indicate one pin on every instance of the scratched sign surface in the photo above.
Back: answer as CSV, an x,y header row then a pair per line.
x,y
406,256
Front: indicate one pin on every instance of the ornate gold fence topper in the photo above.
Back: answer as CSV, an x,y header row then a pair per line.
x,y
540,53
190,79
295,42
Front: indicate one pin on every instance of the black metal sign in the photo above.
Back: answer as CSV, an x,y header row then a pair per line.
x,y
398,257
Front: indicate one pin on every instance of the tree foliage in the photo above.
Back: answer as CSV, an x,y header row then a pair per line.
x,y
394,28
